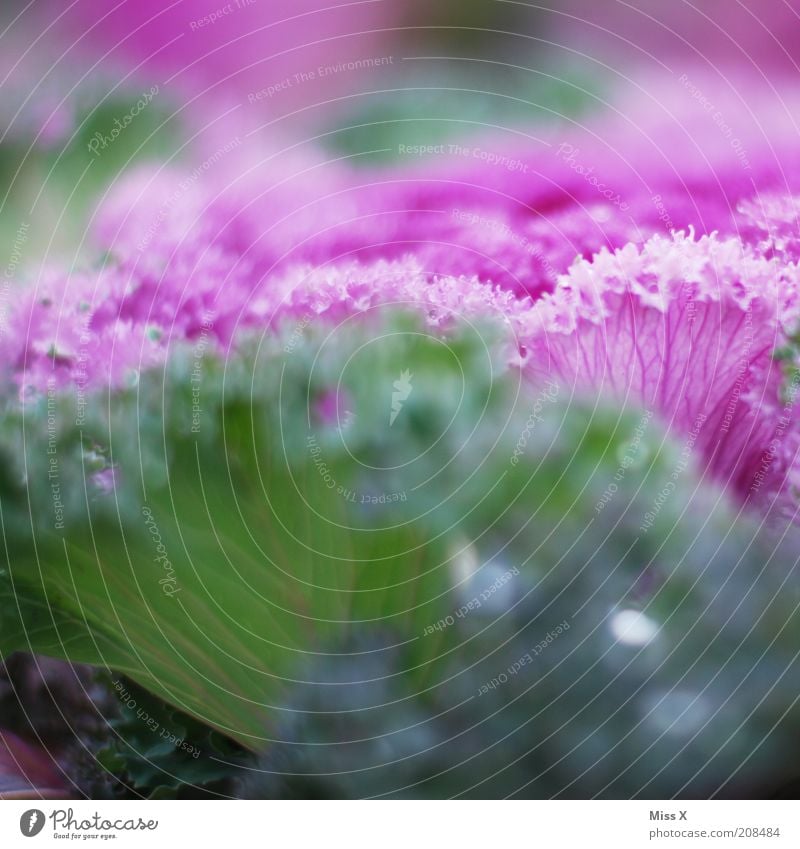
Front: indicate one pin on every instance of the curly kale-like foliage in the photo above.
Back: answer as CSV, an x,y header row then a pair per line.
x,y
503,591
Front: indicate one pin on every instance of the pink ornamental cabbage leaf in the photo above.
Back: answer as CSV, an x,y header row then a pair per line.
x,y
687,329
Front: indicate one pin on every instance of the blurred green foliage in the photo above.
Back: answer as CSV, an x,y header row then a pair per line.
x,y
456,100
51,187
316,559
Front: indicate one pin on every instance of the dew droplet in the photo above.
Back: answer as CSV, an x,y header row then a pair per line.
x,y
678,713
633,628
